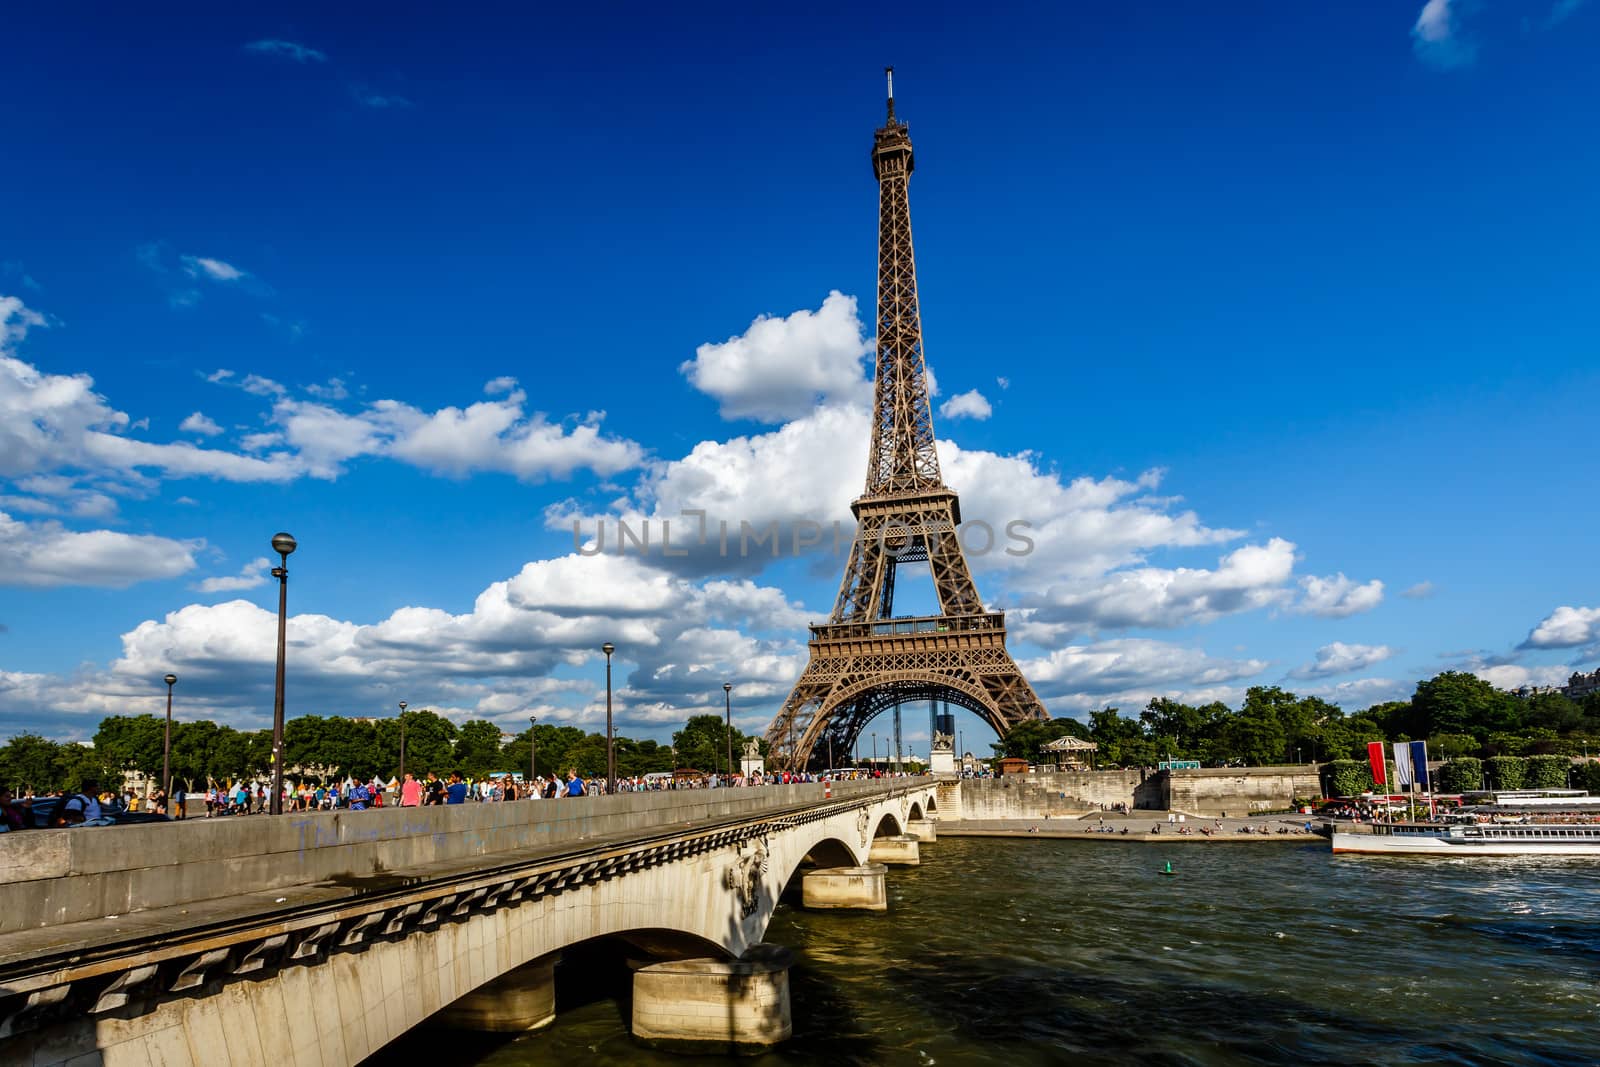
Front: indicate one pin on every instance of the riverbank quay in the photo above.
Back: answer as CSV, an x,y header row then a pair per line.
x,y
1257,831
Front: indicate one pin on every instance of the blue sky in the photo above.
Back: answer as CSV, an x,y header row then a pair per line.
x,y
1276,321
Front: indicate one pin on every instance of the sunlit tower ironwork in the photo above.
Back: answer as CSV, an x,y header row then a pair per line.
x,y
865,660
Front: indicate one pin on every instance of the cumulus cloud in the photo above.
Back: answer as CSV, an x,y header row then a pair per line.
x,y
1340,658
51,423
200,424
1337,597
1436,36
780,368
1565,627
289,50
512,652
1249,577
253,574
1132,669
968,405
45,554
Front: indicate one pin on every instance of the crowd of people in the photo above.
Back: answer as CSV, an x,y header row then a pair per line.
x,y
93,807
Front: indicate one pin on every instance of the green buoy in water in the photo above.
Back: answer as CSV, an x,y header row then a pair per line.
x,y
1168,871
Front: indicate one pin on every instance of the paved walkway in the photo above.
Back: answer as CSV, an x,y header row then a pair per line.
x,y
1142,826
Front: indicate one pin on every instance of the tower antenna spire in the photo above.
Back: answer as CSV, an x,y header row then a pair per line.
x,y
888,72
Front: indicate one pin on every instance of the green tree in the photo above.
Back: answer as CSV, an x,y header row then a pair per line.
x,y
29,761
702,743
1257,734
1347,778
1548,772
1462,774
477,749
1026,738
1122,741
1508,772
1456,702
131,742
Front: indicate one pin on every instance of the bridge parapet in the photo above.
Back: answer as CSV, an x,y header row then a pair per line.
x,y
124,984
52,877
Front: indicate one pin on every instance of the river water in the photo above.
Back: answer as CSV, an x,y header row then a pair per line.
x,y
1039,951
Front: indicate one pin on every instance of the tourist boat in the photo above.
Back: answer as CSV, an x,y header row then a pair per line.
x,y
1483,839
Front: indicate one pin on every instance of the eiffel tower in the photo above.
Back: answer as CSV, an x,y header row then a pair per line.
x,y
865,659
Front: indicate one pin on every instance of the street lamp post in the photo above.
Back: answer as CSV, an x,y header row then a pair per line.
x,y
533,751
402,743
282,544
727,707
874,750
166,743
611,755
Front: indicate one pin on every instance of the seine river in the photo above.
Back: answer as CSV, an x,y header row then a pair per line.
x,y
1037,951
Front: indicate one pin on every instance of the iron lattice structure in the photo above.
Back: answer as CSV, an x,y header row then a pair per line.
x,y
865,660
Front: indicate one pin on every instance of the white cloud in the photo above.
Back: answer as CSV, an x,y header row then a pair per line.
x,y
215,269
780,368
334,389
16,318
1566,627
968,405
200,424
1003,383
255,442
677,643
50,423
44,554
256,385
496,386
253,574
1361,693
289,50
1337,597
1249,577
1340,658
1130,667
1436,36
1420,591
1515,675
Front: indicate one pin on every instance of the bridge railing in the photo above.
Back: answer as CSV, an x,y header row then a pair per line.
x,y
51,877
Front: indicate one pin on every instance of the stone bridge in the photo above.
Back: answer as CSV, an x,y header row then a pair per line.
x,y
321,938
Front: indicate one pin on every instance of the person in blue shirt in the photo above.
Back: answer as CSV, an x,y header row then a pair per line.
x,y
574,783
456,791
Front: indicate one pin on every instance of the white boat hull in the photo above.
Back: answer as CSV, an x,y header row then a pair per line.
x,y
1443,845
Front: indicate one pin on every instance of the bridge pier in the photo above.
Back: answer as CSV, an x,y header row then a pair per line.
x,y
707,1005
898,849
846,887
924,830
519,1000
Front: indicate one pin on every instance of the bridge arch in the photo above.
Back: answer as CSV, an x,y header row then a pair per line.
x,y
829,852
888,826
916,811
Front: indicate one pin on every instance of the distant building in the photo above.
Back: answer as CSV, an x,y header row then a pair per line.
x,y
1578,686
1581,685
